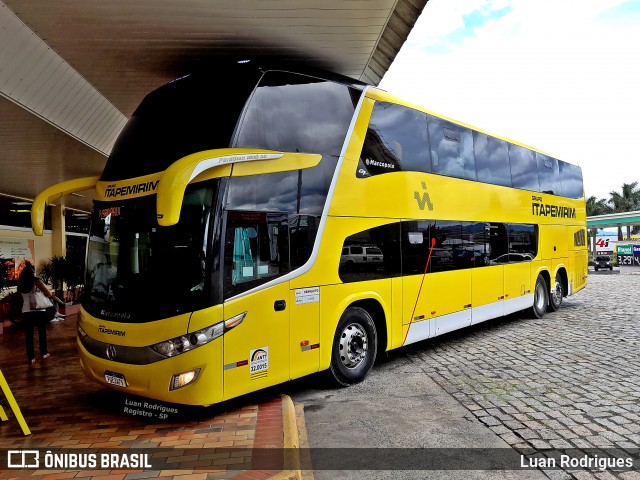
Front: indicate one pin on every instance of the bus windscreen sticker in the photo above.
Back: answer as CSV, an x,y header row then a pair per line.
x,y
259,363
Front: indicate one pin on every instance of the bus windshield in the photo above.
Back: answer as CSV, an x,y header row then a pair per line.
x,y
138,271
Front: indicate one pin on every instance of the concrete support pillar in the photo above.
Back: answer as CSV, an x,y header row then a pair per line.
x,y
59,240
594,233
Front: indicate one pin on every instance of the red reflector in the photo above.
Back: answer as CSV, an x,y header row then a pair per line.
x,y
242,363
304,343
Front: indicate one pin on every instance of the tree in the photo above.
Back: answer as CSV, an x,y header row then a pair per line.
x,y
626,201
597,206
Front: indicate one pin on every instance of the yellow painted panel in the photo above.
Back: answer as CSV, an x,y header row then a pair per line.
x,y
261,340
54,192
290,161
517,280
487,284
305,331
442,293
553,241
128,188
205,318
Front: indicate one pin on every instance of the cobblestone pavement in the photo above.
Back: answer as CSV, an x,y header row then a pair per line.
x,y
568,380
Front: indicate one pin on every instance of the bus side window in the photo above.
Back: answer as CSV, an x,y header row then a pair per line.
x,y
549,174
523,242
256,250
524,170
451,149
492,159
571,180
396,141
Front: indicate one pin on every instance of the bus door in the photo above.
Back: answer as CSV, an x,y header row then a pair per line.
x,y
256,351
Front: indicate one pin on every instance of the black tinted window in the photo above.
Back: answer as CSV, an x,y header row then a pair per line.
x,y
571,180
496,238
492,159
302,235
371,254
548,174
297,113
416,244
524,169
298,191
451,149
188,115
396,140
523,242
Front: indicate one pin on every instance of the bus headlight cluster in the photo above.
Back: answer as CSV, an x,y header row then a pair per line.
x,y
184,343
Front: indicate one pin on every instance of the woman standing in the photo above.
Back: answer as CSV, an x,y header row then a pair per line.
x,y
28,285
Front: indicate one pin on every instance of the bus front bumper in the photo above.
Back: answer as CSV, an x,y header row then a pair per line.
x,y
155,380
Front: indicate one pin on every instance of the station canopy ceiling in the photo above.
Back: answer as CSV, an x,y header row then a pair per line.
x,y
73,71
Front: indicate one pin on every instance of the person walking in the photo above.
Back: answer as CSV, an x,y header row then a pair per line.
x,y
34,314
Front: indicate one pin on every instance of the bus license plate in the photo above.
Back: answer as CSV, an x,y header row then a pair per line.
x,y
115,379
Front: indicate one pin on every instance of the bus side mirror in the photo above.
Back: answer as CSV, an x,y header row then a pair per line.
x,y
54,192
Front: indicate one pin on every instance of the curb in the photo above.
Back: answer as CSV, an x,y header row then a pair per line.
x,y
291,441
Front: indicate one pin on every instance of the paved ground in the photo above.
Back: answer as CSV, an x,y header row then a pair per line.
x,y
569,380
63,409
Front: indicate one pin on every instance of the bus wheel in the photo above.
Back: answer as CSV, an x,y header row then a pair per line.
x,y
354,346
555,299
540,297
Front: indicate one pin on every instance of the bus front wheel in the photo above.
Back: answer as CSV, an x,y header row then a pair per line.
x,y
354,346
555,298
540,297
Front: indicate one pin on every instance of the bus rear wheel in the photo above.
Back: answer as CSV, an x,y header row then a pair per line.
x,y
555,298
354,347
540,298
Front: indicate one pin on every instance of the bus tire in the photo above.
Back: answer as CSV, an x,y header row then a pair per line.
x,y
555,296
354,348
540,298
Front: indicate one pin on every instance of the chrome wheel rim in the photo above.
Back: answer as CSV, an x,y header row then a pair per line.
x,y
556,294
354,345
539,297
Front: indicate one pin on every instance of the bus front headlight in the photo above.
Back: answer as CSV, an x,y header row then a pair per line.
x,y
184,343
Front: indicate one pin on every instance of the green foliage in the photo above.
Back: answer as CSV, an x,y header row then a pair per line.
x,y
597,206
54,273
627,200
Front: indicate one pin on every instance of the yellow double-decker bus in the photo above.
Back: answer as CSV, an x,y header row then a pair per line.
x,y
253,225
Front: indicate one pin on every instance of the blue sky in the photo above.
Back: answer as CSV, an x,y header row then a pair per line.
x,y
560,75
